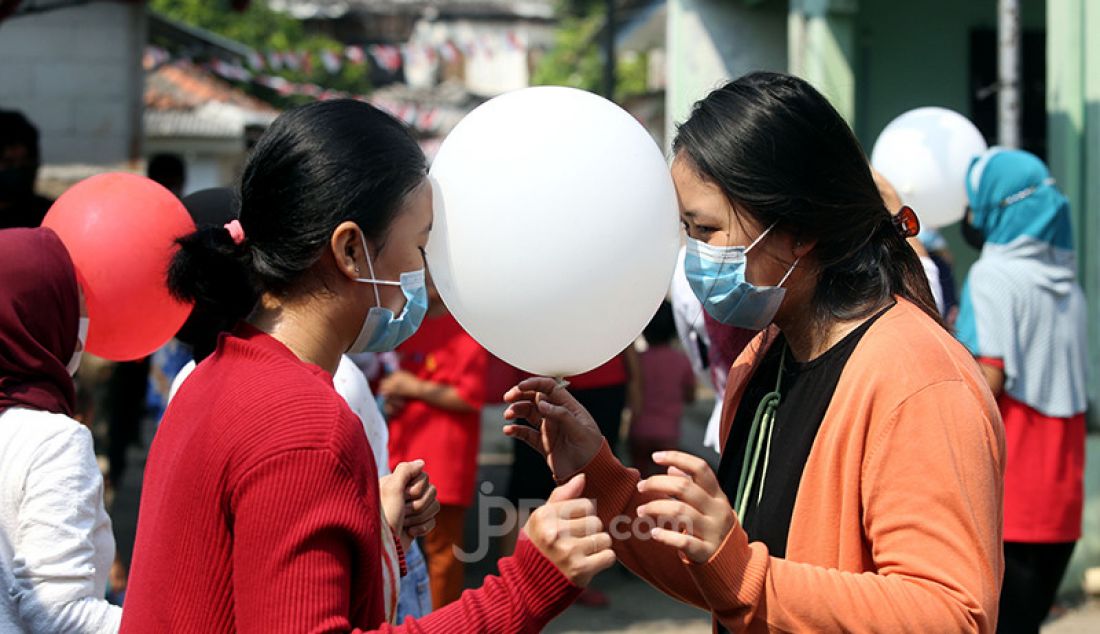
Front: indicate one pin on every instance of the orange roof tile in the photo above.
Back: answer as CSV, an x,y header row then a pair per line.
x,y
183,86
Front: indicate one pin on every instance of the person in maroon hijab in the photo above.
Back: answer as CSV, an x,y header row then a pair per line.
x,y
56,545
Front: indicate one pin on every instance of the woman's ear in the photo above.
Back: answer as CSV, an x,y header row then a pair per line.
x,y
802,246
347,250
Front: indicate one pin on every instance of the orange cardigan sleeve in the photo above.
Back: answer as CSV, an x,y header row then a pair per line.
x,y
614,487
932,480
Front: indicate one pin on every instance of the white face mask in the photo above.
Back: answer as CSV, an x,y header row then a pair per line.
x,y
81,339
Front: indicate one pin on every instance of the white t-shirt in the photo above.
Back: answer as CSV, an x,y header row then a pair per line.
x,y
353,387
56,545
932,272
687,312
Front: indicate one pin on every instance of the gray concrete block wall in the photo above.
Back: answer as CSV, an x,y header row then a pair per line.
x,y
76,73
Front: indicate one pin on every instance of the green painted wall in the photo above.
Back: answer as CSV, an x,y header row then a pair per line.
x,y
913,54
713,41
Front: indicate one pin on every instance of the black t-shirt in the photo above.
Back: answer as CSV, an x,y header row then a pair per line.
x,y
805,393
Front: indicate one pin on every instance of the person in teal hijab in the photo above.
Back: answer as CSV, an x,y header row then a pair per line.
x,y
1023,316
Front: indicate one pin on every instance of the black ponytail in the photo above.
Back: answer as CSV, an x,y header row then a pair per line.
x,y
212,271
781,152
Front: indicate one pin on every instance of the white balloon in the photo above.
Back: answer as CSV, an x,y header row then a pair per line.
x,y
556,228
925,154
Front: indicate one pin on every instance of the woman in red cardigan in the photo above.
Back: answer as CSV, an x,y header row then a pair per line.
x,y
261,508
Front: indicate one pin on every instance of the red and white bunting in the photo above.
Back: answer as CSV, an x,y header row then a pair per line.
x,y
424,118
228,70
449,52
355,54
154,57
331,62
275,60
485,46
427,119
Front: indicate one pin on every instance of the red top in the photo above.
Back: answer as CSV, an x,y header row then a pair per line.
x,y
442,352
260,512
666,377
607,375
1044,472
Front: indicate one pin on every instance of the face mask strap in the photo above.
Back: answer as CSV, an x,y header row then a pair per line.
x,y
789,271
370,267
761,237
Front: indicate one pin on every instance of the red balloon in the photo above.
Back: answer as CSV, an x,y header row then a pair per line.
x,y
120,230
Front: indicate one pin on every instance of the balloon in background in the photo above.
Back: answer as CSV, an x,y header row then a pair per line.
x,y
556,228
120,230
925,154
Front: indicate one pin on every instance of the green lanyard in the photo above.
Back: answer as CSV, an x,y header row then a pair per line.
x,y
760,437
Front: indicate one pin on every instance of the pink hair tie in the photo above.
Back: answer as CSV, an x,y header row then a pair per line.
x,y
236,231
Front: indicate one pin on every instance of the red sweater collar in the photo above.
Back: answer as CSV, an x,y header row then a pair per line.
x,y
252,338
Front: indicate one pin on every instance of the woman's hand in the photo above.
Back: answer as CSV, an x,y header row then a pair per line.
x,y
693,516
408,501
567,531
560,428
421,506
401,384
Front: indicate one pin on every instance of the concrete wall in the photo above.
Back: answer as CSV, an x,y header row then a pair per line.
x,y
713,41
912,54
76,73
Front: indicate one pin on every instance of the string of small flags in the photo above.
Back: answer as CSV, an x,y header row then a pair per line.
x,y
388,57
425,118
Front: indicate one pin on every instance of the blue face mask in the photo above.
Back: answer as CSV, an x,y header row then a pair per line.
x,y
717,276
382,331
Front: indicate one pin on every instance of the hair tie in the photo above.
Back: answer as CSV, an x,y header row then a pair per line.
x,y
906,222
236,231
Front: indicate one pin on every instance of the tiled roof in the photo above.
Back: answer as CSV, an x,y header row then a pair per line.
x,y
184,86
183,100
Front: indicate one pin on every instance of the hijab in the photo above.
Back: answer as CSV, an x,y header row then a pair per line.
x,y
39,319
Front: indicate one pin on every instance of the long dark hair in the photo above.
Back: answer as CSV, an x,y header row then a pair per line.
x,y
315,167
781,152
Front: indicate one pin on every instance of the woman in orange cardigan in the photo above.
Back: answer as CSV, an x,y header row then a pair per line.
x,y
860,485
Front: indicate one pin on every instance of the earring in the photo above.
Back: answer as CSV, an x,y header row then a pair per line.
x,y
357,270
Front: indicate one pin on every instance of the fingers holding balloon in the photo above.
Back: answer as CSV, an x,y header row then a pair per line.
x,y
522,410
530,387
529,435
